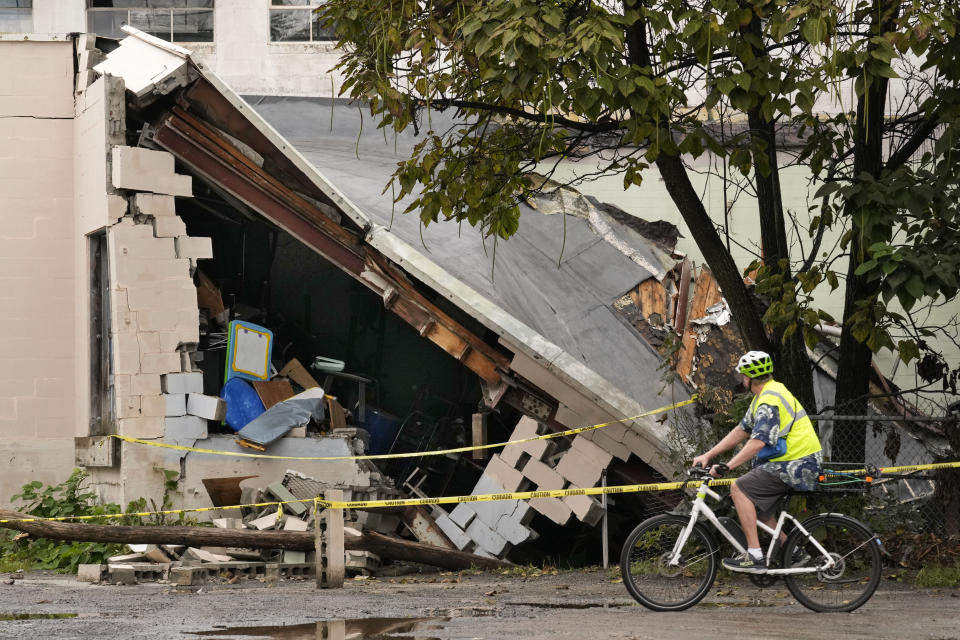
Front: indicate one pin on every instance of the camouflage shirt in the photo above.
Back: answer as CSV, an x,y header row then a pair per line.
x,y
800,474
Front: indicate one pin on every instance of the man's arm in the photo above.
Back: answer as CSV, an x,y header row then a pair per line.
x,y
732,439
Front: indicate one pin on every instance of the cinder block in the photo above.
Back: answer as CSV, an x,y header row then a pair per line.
x,y
585,508
149,342
638,445
126,353
169,341
142,427
457,536
176,404
610,445
129,406
145,384
169,227
540,449
553,508
162,294
152,204
185,428
131,247
283,494
266,522
182,383
140,169
543,476
163,363
153,405
195,248
486,538
187,576
579,470
490,513
294,557
294,524
133,271
590,450
511,453
461,515
511,529
91,572
526,427
507,476
209,407
122,575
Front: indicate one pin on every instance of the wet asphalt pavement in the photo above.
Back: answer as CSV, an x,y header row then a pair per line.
x,y
569,604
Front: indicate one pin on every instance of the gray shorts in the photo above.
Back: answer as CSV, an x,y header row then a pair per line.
x,y
764,490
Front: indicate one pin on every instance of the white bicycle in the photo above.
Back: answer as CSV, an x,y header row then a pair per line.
x,y
830,562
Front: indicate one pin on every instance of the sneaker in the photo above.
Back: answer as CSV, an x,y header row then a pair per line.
x,y
799,557
744,563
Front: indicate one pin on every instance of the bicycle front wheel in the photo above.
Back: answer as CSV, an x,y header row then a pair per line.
x,y
647,574
856,572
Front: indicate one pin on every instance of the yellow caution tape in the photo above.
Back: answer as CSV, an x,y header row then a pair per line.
x,y
410,454
490,497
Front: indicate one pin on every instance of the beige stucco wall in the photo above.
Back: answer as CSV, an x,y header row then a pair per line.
x,y
38,276
241,53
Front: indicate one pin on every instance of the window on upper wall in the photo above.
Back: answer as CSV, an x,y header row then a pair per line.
x,y
16,16
297,21
170,20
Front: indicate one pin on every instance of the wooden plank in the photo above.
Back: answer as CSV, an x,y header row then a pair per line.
x,y
653,298
338,417
273,391
299,374
706,294
479,428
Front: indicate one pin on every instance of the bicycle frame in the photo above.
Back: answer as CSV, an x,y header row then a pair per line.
x,y
700,507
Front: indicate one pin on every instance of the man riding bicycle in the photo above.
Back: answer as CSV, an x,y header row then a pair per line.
x,y
785,448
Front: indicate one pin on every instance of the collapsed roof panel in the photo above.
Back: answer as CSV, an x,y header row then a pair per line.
x,y
569,305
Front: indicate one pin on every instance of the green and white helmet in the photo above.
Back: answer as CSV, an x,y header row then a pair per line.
x,y
755,364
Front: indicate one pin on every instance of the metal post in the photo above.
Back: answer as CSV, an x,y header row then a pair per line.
x,y
603,504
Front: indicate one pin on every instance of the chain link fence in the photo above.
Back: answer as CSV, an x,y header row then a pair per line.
x,y
921,501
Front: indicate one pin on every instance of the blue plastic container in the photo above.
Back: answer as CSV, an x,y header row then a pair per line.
x,y
243,403
382,428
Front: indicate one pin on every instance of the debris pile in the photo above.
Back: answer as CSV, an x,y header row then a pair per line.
x,y
185,565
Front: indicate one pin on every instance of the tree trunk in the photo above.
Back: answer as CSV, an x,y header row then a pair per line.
x,y
724,269
384,546
697,219
792,363
853,366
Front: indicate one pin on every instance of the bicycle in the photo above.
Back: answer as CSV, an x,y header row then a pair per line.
x,y
830,562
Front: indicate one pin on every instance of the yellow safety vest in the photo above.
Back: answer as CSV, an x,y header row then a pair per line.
x,y
795,426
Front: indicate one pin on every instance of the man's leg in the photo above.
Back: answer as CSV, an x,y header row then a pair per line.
x,y
747,513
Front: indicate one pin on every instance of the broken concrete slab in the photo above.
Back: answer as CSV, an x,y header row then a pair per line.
x,y
280,492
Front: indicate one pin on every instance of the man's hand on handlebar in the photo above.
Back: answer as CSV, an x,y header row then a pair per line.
x,y
702,460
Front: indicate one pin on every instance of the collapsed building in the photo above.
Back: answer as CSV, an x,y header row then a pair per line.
x,y
148,207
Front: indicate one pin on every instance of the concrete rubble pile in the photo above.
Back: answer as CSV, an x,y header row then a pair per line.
x,y
182,565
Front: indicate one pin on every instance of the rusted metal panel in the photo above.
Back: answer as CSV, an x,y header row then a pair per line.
x,y
422,525
215,163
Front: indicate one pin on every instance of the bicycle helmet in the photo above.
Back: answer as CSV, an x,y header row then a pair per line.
x,y
755,364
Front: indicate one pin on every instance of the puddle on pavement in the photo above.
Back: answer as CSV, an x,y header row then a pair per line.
x,y
571,605
36,616
357,629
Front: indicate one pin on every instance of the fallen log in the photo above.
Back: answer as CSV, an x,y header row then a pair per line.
x,y
384,546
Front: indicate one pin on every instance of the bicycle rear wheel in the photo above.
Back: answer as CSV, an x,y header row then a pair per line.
x,y
853,579
646,574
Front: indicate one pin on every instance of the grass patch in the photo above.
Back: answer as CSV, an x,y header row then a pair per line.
x,y
939,577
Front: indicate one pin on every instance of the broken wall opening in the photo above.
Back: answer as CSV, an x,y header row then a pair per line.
x,y
418,398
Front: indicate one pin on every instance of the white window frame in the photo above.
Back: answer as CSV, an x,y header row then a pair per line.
x,y
20,11
274,6
160,11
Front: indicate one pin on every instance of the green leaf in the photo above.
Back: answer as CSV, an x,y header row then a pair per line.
x,y
814,30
